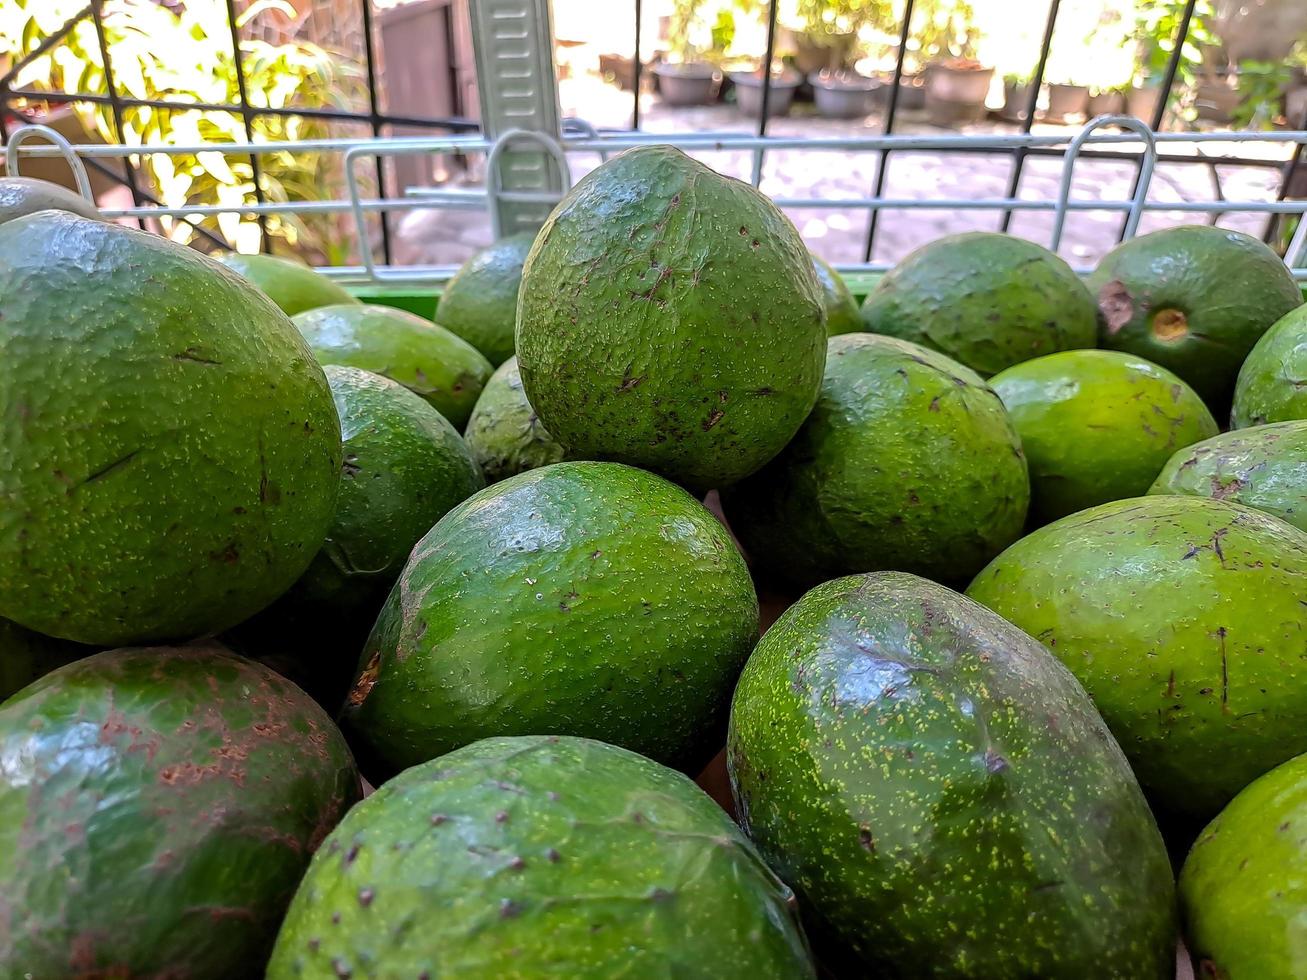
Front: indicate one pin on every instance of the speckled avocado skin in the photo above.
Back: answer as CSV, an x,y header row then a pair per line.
x,y
405,468
908,462
1264,467
942,795
157,810
1183,618
841,308
25,656
1272,385
505,435
169,453
291,285
670,318
985,299
1097,425
540,856
1244,884
588,599
480,303
1193,299
425,358
20,196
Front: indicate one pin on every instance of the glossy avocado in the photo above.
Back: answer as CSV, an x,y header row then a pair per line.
x,y
291,285
670,318
159,808
26,195
942,795
479,303
1272,384
1244,885
1097,425
404,468
25,656
1183,619
908,462
540,856
840,307
588,599
504,434
986,299
170,454
426,358
1194,299
1264,467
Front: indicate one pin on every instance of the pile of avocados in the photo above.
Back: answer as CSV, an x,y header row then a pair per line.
x,y
1025,694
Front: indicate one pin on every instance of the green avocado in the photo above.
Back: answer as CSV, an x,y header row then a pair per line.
x,y
291,285
1097,425
1193,299
670,318
540,856
480,303
1264,467
841,308
908,462
404,468
20,196
1272,384
426,358
584,598
170,455
25,656
158,807
942,795
1244,885
505,435
986,299
1183,618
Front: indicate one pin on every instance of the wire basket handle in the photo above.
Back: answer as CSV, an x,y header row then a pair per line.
x,y
1069,163
494,184
31,131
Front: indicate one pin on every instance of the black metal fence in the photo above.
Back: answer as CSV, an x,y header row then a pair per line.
x,y
378,120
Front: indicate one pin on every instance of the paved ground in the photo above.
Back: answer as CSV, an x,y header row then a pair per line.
x,y
839,234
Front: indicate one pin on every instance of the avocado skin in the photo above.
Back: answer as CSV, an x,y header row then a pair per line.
x,y
1244,884
540,856
1182,617
942,795
170,454
1272,384
986,299
584,598
424,357
1097,425
841,308
908,462
479,303
504,434
404,468
25,656
670,318
1228,285
21,196
291,285
1264,467
160,806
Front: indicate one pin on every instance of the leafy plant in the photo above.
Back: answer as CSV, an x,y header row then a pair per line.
x,y
1157,22
1261,83
945,30
183,54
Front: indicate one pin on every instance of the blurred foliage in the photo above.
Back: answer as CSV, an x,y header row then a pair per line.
x,y
1157,23
181,54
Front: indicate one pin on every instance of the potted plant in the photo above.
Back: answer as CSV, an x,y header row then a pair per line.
x,y
1106,101
829,39
785,80
1016,95
687,78
1156,27
1067,99
957,84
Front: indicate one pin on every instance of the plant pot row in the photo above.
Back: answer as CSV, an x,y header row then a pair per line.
x,y
1065,101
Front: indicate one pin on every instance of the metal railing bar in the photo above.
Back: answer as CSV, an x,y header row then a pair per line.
x,y
115,103
882,162
247,120
765,107
1164,97
374,112
1032,103
636,69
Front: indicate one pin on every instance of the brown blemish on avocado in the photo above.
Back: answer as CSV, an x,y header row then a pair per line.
x,y
367,680
1170,325
1116,305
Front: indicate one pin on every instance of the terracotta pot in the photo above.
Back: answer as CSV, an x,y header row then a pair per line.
x,y
748,92
1016,96
693,83
842,95
1141,102
956,94
1106,104
1067,100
